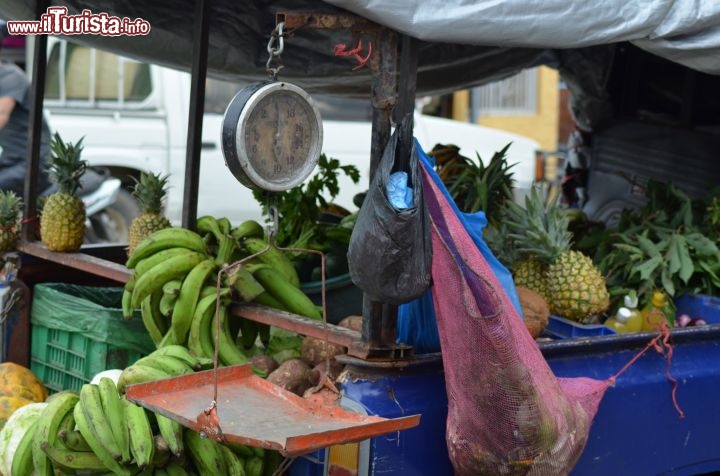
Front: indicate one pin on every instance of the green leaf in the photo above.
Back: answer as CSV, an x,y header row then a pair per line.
x,y
709,271
686,264
648,267
634,250
667,282
673,255
702,244
647,246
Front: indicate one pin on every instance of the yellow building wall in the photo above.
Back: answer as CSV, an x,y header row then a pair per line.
x,y
541,126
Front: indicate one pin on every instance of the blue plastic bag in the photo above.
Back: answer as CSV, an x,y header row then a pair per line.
x,y
416,319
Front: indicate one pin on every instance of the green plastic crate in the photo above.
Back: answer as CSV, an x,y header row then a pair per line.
x,y
66,360
78,331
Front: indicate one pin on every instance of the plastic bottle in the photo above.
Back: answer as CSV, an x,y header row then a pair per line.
x,y
658,310
625,320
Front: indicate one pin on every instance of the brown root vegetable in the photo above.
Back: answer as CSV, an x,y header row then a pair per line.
x,y
315,350
294,375
334,372
352,322
264,363
535,309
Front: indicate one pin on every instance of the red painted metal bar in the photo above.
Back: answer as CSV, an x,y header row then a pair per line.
x,y
302,325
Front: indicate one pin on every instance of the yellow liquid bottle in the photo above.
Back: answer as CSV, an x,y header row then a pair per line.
x,y
625,320
658,311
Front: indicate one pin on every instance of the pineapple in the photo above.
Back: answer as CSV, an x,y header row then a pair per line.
x,y
531,273
62,222
10,208
150,192
575,288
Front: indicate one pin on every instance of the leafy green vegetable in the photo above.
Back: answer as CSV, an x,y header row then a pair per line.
x,y
661,246
300,207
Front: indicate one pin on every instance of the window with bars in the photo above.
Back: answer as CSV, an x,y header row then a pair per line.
x,y
516,95
85,77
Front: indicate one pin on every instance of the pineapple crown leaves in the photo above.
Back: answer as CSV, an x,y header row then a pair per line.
x,y
538,230
65,166
150,191
476,186
10,208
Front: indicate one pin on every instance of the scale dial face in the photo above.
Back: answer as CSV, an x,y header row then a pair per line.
x,y
272,136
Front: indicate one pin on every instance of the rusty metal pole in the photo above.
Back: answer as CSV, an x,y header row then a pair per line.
x,y
384,87
35,130
195,117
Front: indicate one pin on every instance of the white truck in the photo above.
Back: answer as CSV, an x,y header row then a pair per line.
x,y
134,117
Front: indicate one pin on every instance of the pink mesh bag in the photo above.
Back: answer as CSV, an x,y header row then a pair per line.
x,y
507,412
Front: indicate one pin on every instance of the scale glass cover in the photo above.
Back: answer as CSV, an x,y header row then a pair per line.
x,y
272,136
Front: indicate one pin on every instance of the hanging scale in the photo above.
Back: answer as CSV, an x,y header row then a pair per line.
x,y
272,130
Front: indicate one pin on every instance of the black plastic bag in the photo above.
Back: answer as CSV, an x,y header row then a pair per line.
x,y
390,252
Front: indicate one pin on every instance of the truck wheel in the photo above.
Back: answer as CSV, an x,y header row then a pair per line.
x,y
111,225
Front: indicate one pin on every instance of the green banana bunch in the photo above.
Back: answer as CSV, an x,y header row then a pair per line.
x,y
170,293
167,238
166,305
200,337
226,250
206,454
154,278
72,462
289,296
188,299
165,363
22,462
182,353
228,351
153,318
209,224
47,428
92,408
169,361
172,433
73,440
233,462
249,331
142,440
88,431
242,281
175,469
272,256
254,466
248,229
115,414
172,288
135,374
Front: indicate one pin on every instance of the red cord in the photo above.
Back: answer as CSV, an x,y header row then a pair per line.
x,y
661,343
340,50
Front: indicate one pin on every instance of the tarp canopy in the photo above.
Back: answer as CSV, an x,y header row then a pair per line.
x,y
462,43
683,31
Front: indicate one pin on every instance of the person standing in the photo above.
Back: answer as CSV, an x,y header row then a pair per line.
x,y
15,95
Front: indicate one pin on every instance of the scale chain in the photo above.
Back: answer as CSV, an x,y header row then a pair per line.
x,y
275,51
